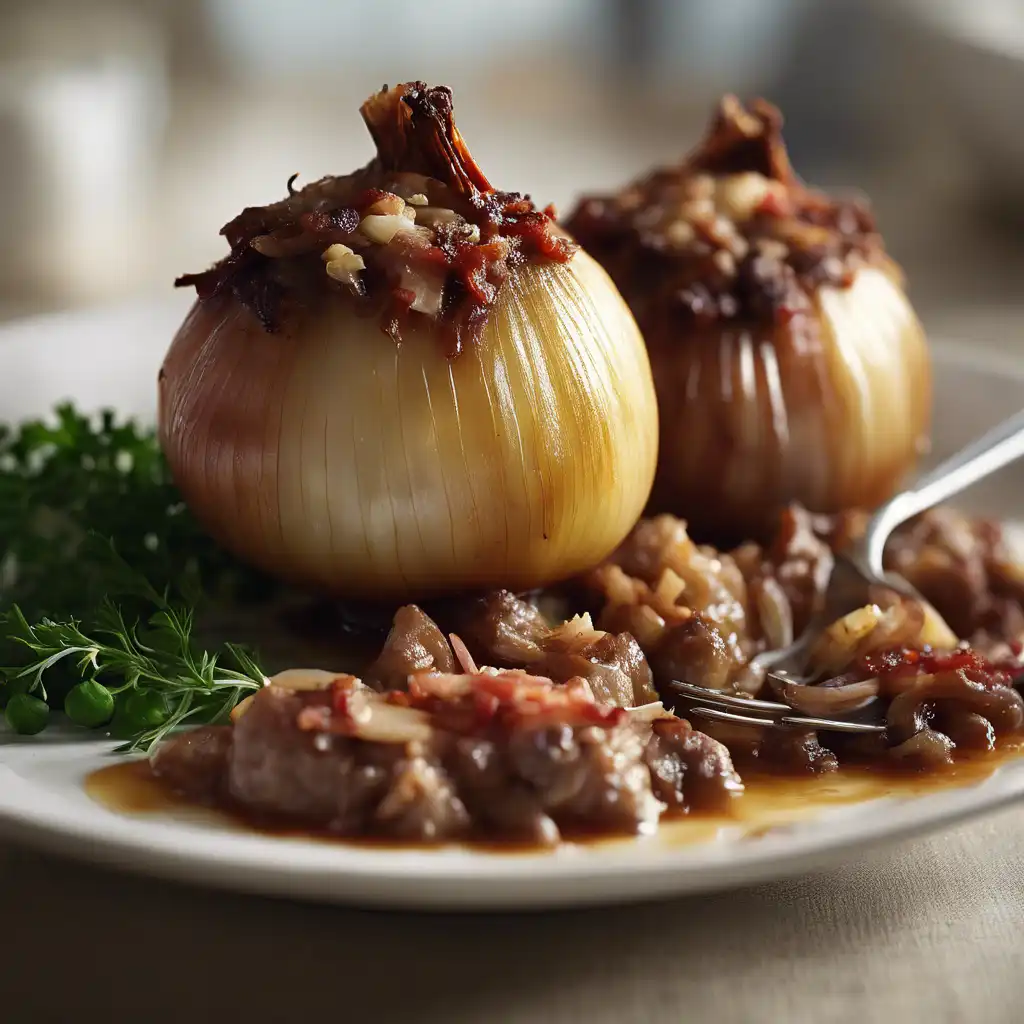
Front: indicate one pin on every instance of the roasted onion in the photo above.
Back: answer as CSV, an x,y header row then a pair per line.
x,y
504,435
788,362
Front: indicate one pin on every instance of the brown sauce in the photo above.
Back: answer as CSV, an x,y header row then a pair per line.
x,y
769,802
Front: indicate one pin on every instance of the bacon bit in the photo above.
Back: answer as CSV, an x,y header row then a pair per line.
x,y
658,237
404,296
340,697
496,251
775,205
537,230
903,662
471,267
474,703
365,199
505,698
490,232
315,718
433,255
486,706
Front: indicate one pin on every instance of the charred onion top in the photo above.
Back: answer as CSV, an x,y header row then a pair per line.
x,y
730,233
419,231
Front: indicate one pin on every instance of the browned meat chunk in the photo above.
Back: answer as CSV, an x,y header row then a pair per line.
x,y
954,703
696,652
547,777
612,664
414,644
195,762
495,754
287,761
801,562
794,751
508,631
688,769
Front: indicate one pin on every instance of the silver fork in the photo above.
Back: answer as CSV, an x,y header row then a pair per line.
x,y
854,573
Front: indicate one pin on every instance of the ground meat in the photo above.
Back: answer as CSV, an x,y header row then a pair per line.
x,y
960,700
681,600
731,234
490,754
794,750
279,768
194,763
421,802
690,606
585,778
504,630
963,568
801,561
689,769
696,652
612,664
417,234
414,644
431,753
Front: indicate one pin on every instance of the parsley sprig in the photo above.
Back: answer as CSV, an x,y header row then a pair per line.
x,y
102,569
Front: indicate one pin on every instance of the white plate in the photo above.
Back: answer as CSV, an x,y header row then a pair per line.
x,y
110,357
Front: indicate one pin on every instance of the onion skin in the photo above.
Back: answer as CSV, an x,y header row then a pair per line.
x,y
327,454
830,410
789,365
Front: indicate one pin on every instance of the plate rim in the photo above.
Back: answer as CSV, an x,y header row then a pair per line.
x,y
464,879
472,880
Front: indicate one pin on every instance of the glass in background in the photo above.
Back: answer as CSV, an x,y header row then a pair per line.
x,y
82,105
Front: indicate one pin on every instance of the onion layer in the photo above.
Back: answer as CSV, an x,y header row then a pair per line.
x,y
328,454
789,364
829,411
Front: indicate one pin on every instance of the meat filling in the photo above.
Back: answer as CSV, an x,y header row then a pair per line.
x,y
496,753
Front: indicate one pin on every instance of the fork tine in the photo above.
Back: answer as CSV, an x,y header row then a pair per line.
x,y
830,725
718,715
727,699
787,722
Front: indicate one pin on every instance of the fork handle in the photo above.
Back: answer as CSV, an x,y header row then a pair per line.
x,y
997,448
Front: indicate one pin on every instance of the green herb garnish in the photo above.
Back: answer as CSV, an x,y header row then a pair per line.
x,y
102,570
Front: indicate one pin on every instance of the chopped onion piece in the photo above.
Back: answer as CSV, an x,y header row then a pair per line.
x,y
432,215
826,701
428,289
389,205
392,723
739,195
462,655
336,252
648,712
381,228
305,679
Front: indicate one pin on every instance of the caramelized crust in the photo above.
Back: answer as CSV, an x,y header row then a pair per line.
x,y
419,232
730,234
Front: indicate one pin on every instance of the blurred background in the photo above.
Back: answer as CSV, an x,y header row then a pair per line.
x,y
130,130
